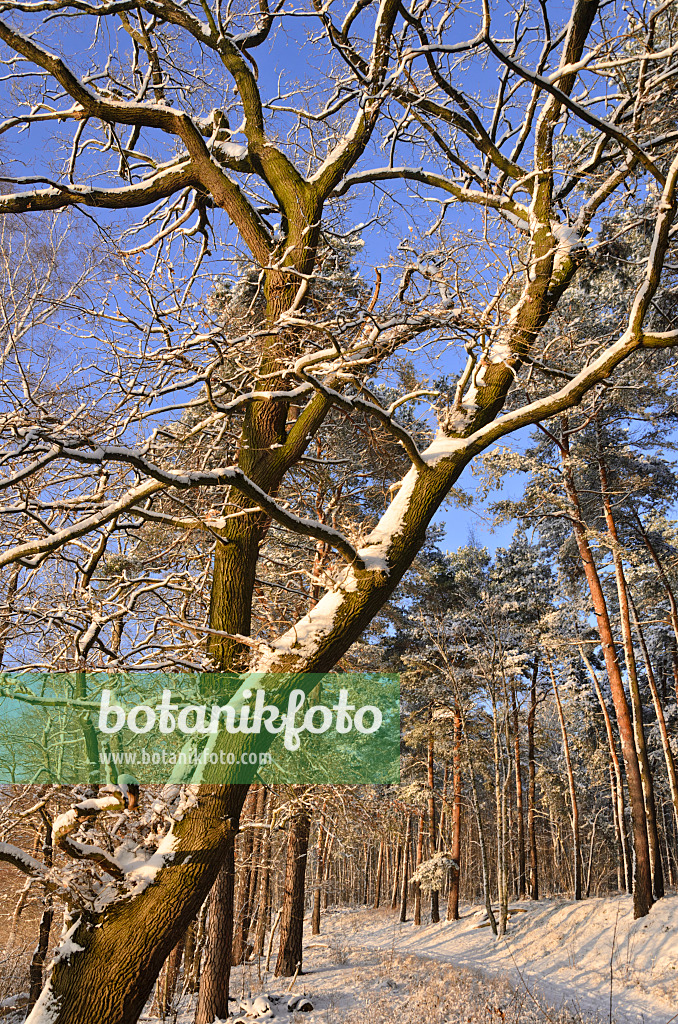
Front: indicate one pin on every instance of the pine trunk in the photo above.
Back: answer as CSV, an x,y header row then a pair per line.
x,y
642,888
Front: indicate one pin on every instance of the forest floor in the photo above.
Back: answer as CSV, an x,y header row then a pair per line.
x,y
560,963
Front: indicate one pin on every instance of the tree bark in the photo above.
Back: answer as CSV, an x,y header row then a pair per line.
x,y
659,711
636,701
576,841
642,889
216,971
319,871
519,796
405,860
453,893
417,886
37,965
619,782
531,783
380,868
435,901
292,919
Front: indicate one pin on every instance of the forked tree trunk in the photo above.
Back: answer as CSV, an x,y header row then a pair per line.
x,y
292,919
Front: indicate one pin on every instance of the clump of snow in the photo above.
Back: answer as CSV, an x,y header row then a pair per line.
x,y
391,524
142,873
441,447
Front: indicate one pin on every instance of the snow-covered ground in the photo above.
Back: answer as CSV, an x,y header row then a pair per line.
x,y
575,956
560,963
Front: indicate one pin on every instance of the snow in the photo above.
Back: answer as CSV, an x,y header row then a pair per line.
x,y
142,873
46,1009
304,638
568,238
391,524
441,447
561,948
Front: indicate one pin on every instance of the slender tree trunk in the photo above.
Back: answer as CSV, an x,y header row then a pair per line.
x,y
636,702
380,869
531,783
576,842
659,712
292,919
241,925
435,909
479,822
417,886
216,970
405,859
6,620
642,889
519,797
172,967
396,877
264,883
619,782
453,893
40,953
319,870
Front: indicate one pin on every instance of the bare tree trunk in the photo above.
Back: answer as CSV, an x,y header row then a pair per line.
x,y
531,783
453,893
619,782
380,868
292,919
319,871
519,796
172,966
435,908
642,890
216,970
40,953
405,859
6,620
636,702
264,883
396,877
243,917
417,886
573,793
659,711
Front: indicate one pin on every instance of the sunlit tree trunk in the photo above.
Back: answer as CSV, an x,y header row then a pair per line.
x,y
292,918
642,889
